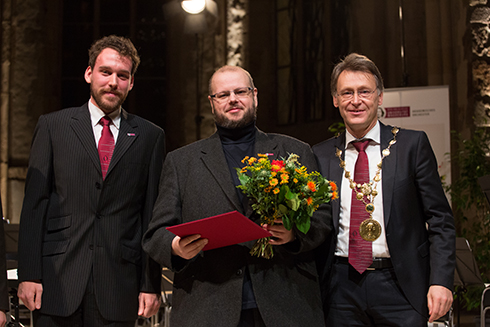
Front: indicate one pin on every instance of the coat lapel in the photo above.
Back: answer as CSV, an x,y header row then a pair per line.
x,y
82,126
336,174
263,145
128,133
388,170
214,160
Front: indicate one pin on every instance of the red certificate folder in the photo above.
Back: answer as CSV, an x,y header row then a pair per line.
x,y
222,230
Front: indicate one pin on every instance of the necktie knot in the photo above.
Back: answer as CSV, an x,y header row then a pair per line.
x,y
106,121
361,145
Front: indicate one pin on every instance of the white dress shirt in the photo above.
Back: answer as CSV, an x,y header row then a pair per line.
x,y
373,151
96,114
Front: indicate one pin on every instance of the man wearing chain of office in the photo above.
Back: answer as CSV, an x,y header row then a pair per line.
x,y
390,261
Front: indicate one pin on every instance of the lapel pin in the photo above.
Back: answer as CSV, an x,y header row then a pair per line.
x,y
131,134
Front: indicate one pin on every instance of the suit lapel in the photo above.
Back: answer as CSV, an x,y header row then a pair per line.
x,y
82,126
214,160
336,174
388,170
127,135
263,145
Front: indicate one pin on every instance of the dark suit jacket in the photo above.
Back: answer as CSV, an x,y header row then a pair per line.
x,y
413,198
196,183
74,223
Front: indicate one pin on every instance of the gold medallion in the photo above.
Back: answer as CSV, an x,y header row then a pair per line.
x,y
370,230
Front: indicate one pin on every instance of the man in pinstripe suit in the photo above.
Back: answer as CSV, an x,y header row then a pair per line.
x,y
80,257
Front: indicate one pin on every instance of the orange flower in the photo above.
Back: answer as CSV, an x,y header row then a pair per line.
x,y
335,195
284,178
333,186
251,161
295,180
245,159
276,190
309,201
277,165
311,186
273,182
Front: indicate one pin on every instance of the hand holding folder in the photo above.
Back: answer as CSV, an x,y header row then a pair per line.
x,y
221,230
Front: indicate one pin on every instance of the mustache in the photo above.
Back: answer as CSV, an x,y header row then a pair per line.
x,y
115,92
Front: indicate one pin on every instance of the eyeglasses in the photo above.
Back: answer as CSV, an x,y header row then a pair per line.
x,y
349,95
241,93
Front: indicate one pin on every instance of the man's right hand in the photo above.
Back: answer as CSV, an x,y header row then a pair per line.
x,y
30,293
188,247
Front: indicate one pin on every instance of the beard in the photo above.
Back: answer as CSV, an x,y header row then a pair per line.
x,y
249,116
103,104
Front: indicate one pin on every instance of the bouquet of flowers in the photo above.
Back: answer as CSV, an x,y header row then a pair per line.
x,y
283,189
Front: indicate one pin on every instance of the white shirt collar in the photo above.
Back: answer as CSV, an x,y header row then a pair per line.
x,y
373,134
96,114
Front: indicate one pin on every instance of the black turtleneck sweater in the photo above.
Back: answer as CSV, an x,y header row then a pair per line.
x,y
237,144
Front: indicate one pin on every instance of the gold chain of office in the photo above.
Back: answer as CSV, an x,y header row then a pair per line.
x,y
369,229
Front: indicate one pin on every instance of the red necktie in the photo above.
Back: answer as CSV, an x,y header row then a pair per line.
x,y
360,250
106,145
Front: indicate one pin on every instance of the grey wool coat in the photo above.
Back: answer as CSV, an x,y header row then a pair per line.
x,y
195,184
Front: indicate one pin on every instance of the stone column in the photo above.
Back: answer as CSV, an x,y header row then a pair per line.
x,y
30,84
480,51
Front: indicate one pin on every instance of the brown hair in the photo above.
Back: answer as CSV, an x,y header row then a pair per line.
x,y
121,44
356,63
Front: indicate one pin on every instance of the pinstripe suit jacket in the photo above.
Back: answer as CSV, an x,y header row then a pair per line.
x,y
74,223
196,183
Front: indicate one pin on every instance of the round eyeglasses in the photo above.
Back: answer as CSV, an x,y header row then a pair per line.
x,y
349,95
241,93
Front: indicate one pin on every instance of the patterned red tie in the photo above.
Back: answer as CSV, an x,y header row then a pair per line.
x,y
360,250
106,145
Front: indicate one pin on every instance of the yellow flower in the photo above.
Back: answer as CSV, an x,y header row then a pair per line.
x,y
273,182
262,160
276,190
251,161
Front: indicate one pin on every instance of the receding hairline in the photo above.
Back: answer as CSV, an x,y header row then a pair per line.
x,y
231,69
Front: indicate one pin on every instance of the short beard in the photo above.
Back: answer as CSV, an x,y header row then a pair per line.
x,y
105,106
223,121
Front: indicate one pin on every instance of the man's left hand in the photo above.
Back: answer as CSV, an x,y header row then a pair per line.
x,y
439,300
280,235
149,304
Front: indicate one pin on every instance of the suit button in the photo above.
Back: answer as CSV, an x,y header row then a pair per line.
x,y
97,185
239,272
91,247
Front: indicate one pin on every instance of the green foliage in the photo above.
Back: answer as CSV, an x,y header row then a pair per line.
x,y
469,203
337,128
283,189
